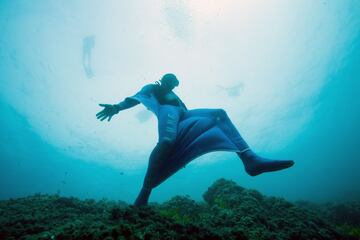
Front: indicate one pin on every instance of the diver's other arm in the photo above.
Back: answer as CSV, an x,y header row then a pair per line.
x,y
111,109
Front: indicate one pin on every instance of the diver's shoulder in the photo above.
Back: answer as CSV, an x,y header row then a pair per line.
x,y
150,86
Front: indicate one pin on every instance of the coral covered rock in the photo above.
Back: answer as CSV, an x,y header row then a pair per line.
x,y
229,212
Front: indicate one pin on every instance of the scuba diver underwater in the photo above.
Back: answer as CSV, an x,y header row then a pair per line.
x,y
184,135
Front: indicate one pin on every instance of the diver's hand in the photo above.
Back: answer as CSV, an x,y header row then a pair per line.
x,y
108,112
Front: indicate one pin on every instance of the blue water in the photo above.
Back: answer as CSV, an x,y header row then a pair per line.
x,y
291,87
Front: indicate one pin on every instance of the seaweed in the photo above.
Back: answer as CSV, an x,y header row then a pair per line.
x,y
229,211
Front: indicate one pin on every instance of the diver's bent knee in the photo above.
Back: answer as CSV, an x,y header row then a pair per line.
x,y
219,112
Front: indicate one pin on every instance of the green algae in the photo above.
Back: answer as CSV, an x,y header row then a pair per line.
x,y
229,212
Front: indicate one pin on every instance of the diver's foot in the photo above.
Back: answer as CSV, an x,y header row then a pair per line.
x,y
255,165
143,197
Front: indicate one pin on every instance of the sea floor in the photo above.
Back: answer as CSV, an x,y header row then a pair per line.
x,y
229,211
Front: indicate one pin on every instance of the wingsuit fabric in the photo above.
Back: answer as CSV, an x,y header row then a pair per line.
x,y
198,133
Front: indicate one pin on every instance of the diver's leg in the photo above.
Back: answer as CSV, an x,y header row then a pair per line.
x,y
84,58
156,160
85,61
143,197
145,191
254,164
90,72
168,118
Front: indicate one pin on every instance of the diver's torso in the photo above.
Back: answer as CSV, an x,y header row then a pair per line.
x,y
166,97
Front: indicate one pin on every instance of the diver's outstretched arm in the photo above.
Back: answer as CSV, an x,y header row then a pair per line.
x,y
111,109
127,103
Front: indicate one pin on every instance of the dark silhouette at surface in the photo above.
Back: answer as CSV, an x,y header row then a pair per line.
x,y
186,134
88,45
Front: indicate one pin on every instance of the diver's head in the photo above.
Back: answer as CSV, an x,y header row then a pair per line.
x,y
169,81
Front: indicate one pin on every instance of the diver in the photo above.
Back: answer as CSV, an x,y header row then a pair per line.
x,y
88,44
186,134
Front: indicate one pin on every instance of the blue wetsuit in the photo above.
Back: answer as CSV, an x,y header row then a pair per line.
x,y
193,132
